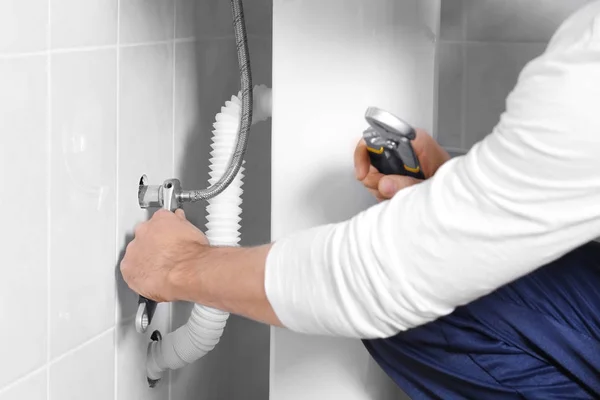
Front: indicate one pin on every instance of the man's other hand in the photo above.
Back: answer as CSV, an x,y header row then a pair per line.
x,y
431,157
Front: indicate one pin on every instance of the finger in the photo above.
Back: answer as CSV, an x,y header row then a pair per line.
x,y
361,160
162,213
139,229
181,214
374,192
430,154
371,181
389,185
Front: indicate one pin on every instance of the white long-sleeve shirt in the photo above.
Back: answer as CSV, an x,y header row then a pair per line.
x,y
524,196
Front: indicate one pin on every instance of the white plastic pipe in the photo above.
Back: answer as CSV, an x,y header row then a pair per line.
x,y
203,330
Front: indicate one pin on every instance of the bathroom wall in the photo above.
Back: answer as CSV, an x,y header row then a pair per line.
x,y
238,368
484,44
331,60
94,93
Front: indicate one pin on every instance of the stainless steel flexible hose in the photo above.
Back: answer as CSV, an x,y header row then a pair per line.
x,y
237,158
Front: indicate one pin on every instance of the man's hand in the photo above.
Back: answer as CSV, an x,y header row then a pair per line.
x,y
431,156
171,260
164,254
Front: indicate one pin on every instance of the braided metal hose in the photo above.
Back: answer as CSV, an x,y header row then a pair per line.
x,y
237,157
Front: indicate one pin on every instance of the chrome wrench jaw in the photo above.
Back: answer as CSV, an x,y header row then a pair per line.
x,y
389,144
168,197
141,318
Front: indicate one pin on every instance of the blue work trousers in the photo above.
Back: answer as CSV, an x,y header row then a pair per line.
x,y
535,338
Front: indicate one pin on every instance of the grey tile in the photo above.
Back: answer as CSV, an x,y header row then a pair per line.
x,y
147,20
242,356
213,18
131,357
207,76
200,93
193,127
452,20
259,17
516,20
492,71
450,94
256,215
185,18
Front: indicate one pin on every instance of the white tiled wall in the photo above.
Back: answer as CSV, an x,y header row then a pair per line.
x,y
94,93
484,45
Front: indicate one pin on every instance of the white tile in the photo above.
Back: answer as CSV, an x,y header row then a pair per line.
x,y
450,94
87,373
516,20
214,18
83,23
131,359
452,20
83,248
23,158
492,71
33,387
23,25
144,21
145,138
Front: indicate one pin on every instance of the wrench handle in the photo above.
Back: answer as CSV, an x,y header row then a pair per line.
x,y
146,307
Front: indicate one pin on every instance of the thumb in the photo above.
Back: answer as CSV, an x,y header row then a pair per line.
x,y
389,185
180,213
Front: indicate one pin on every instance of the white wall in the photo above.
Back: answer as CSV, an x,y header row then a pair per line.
x,y
484,45
94,93
331,60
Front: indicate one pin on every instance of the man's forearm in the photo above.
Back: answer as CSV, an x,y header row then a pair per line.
x,y
234,282
521,198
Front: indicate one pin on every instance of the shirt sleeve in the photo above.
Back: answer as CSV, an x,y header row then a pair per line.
x,y
523,197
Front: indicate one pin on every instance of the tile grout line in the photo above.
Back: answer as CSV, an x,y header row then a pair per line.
x,y
93,48
117,153
80,346
51,362
49,198
23,378
222,37
173,169
490,42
